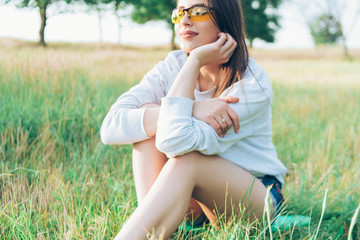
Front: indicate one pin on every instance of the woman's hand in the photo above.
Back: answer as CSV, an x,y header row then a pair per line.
x,y
217,113
218,52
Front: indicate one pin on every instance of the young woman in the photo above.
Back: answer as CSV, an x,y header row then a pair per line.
x,y
200,122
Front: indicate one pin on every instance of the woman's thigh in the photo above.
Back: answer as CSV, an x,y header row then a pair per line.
x,y
224,186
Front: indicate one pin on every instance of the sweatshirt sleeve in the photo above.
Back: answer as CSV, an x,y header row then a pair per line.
x,y
124,122
179,133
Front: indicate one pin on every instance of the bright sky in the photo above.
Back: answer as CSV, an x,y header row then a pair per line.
x,y
84,27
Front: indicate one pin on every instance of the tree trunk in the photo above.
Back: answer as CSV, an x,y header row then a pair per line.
x,y
42,26
118,20
173,46
100,25
343,40
251,42
345,48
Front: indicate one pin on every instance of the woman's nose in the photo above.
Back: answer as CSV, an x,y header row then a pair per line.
x,y
185,20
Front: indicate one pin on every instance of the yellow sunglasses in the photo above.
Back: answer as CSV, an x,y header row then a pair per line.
x,y
195,13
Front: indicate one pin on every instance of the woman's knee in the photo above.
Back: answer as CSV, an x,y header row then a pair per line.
x,y
185,164
146,149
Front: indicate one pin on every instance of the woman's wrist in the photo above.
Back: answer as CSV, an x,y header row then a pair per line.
x,y
194,61
185,82
151,117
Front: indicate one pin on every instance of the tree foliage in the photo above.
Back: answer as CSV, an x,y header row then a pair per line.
x,y
325,30
261,19
116,3
42,6
147,10
153,10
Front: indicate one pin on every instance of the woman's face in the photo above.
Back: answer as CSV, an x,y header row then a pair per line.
x,y
194,34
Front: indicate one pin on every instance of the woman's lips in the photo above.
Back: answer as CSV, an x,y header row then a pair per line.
x,y
188,34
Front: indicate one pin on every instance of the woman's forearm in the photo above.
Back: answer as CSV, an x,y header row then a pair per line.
x,y
183,86
185,83
151,117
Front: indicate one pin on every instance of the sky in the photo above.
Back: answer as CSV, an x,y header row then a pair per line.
x,y
82,26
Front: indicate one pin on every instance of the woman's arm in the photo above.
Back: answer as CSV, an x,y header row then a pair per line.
x,y
215,53
218,53
204,110
123,124
179,132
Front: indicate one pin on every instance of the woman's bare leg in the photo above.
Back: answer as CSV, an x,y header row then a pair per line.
x,y
147,164
208,178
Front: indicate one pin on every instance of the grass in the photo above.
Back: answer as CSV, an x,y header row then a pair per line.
x,y
57,180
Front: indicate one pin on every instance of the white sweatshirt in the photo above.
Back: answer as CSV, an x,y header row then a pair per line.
x,y
179,133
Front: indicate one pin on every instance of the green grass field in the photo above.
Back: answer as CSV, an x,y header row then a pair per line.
x,y
58,181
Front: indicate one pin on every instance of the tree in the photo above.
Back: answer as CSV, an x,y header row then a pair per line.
x,y
103,6
119,5
260,16
261,19
99,7
337,10
42,6
325,30
147,10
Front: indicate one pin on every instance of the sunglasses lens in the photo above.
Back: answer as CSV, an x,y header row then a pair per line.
x,y
177,15
196,14
198,11
199,14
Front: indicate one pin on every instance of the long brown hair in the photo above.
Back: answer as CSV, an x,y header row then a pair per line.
x,y
228,17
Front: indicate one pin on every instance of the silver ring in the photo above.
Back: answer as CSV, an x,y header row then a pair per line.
x,y
222,121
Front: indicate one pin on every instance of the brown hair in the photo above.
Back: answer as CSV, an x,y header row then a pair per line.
x,y
228,17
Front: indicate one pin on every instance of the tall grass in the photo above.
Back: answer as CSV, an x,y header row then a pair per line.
x,y
58,181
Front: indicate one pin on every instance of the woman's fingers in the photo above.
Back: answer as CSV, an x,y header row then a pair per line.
x,y
216,126
222,39
222,126
230,99
230,41
225,124
218,114
234,119
228,47
231,50
231,113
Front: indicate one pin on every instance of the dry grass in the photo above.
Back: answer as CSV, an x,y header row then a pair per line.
x,y
58,181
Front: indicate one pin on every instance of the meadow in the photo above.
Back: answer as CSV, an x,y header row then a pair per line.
x,y
58,181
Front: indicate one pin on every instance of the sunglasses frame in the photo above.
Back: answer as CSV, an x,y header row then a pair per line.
x,y
209,10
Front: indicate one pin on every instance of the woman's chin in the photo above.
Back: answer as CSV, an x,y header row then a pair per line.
x,y
187,48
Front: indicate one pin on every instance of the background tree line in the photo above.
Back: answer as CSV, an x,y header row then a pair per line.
x,y
326,25
263,24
